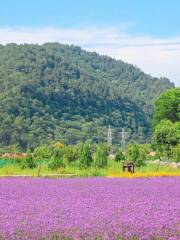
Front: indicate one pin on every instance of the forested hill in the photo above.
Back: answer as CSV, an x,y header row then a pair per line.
x,y
57,92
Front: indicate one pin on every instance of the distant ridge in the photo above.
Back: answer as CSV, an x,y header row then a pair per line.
x,y
56,92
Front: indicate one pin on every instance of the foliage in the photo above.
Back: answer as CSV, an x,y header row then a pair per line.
x,y
166,124
85,155
132,153
119,156
167,106
101,158
176,153
142,155
136,153
166,135
58,145
71,154
28,161
42,152
56,92
56,160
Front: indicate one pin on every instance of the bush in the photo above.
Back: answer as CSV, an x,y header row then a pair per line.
x,y
119,156
56,160
136,154
28,161
71,154
42,153
58,145
142,156
101,156
166,135
132,153
85,156
176,153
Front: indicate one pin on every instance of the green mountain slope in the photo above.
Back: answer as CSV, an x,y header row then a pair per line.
x,y
59,92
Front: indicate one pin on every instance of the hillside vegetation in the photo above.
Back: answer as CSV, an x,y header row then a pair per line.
x,y
57,92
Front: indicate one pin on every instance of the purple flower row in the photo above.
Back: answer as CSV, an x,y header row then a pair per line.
x,y
91,208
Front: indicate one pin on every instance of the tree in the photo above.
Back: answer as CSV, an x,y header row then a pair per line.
x,y
85,155
101,158
58,145
71,154
55,91
42,153
119,156
176,153
166,135
136,153
56,160
142,155
132,152
167,106
28,161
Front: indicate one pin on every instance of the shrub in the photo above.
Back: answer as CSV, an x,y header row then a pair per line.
x,y
132,153
28,161
166,135
142,156
42,153
136,153
119,156
71,154
58,145
85,156
176,153
101,156
56,160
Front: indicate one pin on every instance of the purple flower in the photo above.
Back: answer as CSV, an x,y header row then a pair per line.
x,y
142,209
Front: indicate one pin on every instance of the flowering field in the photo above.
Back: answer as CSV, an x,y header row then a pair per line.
x,y
91,208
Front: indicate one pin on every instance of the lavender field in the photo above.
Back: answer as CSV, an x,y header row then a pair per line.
x,y
91,208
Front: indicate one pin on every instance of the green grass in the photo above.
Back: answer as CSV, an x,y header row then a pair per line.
x,y
9,170
153,168
113,168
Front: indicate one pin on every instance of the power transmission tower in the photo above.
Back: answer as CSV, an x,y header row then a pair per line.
x,y
110,139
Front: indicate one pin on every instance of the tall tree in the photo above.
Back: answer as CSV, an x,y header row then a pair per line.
x,y
85,156
101,158
166,136
167,106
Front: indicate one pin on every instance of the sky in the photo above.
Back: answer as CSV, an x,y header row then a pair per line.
x,y
141,32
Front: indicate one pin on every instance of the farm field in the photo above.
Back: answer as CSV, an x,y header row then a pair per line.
x,y
90,208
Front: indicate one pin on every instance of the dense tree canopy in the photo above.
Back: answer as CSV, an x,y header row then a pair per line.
x,y
57,92
166,136
167,106
166,124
